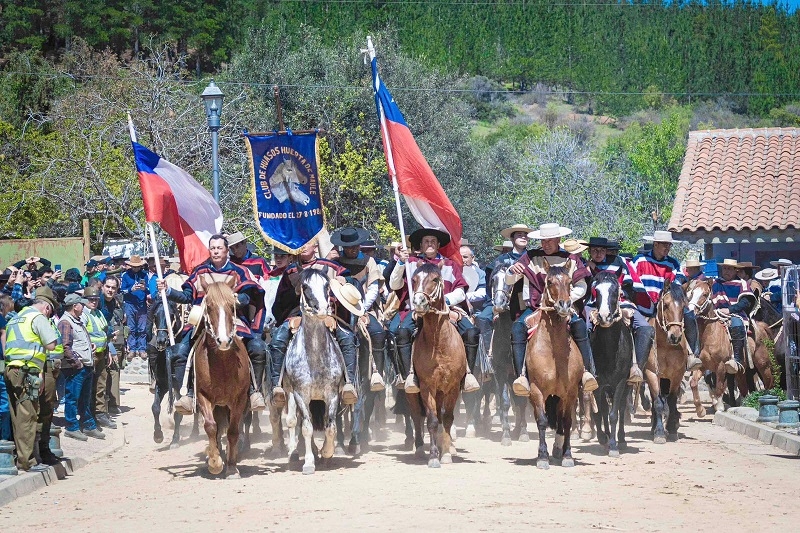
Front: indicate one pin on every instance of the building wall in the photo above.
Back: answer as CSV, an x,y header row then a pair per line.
x,y
759,254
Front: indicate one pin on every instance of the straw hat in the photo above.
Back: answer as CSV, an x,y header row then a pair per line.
x,y
781,263
694,263
136,261
768,274
235,238
660,236
549,231
347,295
745,264
506,245
575,246
729,262
506,233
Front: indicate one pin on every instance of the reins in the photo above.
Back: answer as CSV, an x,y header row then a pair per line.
x,y
660,318
436,295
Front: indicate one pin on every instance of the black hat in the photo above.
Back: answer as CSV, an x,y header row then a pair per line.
x,y
369,244
416,237
600,242
613,246
72,274
349,236
646,247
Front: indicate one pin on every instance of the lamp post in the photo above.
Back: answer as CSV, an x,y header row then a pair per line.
x,y
212,99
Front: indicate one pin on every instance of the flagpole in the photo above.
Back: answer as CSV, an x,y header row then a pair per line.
x,y
390,162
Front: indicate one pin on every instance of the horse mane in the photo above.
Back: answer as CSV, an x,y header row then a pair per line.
x,y
676,291
429,268
606,276
557,271
216,294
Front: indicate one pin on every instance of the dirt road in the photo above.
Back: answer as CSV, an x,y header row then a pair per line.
x,y
711,478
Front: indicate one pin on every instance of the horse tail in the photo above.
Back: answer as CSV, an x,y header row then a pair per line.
x,y
318,411
551,408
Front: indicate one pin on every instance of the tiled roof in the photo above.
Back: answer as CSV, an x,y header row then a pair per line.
x,y
739,180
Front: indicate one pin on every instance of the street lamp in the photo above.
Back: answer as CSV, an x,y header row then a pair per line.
x,y
212,98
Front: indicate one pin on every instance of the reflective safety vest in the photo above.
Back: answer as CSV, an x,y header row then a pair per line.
x,y
23,345
97,326
58,351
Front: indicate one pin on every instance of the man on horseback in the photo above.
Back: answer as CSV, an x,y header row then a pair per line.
x,y
733,301
250,296
517,235
643,332
287,306
531,269
402,327
657,268
242,256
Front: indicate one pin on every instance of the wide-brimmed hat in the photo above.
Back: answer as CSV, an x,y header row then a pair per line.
x,y
501,247
575,246
767,274
416,238
506,233
660,236
235,238
46,294
599,242
91,292
781,263
72,299
745,264
136,261
729,262
550,230
347,295
694,263
349,236
369,244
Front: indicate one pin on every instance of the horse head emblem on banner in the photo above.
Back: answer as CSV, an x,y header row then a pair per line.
x,y
286,180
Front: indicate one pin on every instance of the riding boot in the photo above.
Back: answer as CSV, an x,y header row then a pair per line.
x,y
471,338
693,361
577,329
185,404
521,386
277,348
347,343
738,340
485,327
642,344
378,341
257,351
403,344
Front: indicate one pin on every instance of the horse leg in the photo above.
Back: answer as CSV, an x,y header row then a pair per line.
x,y
235,415
158,435
617,407
195,426
210,425
602,436
308,434
719,390
247,419
698,405
278,447
472,406
674,417
354,446
291,426
432,416
415,406
503,404
656,408
625,394
176,434
330,426
520,431
540,414
587,432
567,409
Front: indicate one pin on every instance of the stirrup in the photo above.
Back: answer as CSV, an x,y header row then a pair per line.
x,y
278,397
588,382
185,405
257,402
376,383
349,396
635,377
399,382
470,383
411,385
521,386
693,363
733,367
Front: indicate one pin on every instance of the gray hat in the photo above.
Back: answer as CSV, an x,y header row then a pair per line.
x,y
72,299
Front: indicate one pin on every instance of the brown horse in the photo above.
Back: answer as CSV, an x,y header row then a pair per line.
x,y
222,374
715,346
757,361
554,367
440,364
667,362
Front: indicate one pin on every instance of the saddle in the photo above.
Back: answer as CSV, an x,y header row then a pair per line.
x,y
296,321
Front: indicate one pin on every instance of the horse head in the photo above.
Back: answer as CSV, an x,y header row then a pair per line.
x,y
427,290
606,289
669,312
698,292
219,312
557,288
314,293
501,291
160,326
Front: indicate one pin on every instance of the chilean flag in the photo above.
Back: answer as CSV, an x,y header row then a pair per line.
x,y
182,207
416,181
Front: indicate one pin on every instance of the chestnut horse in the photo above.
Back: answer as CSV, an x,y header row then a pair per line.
x,y
222,375
667,363
554,366
439,362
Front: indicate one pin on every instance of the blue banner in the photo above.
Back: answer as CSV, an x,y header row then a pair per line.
x,y
286,194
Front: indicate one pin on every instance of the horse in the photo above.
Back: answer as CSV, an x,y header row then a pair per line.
x,y
313,370
715,347
612,346
439,362
158,333
554,366
502,360
484,373
222,375
667,362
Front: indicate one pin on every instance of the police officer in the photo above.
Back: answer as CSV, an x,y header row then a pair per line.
x,y
29,336
97,326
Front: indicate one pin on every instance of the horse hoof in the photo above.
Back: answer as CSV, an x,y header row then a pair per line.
x,y
659,440
408,445
339,451
308,469
215,466
158,437
354,449
434,463
542,464
421,452
447,459
568,462
613,453
701,413
470,432
174,445
622,445
672,437
524,437
233,475
586,436
506,441
294,456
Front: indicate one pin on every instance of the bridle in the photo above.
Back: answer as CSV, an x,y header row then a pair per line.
x,y
660,320
616,316
547,303
702,308
428,299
